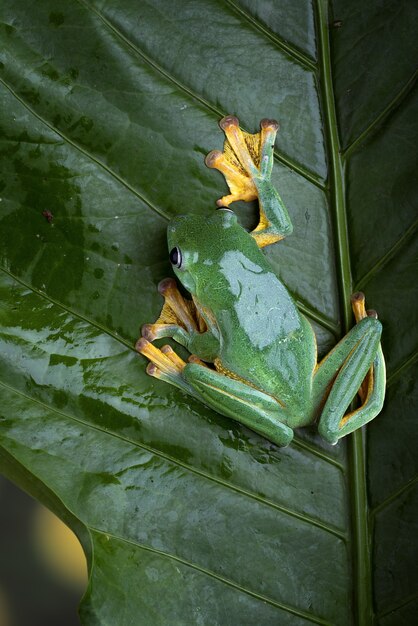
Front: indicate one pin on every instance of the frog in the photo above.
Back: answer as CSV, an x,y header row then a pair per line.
x,y
253,353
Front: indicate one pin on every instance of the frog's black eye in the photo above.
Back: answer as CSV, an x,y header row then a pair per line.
x,y
175,257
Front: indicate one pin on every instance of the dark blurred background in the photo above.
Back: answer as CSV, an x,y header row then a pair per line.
x,y
43,571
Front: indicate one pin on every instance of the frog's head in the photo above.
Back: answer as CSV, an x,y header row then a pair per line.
x,y
197,244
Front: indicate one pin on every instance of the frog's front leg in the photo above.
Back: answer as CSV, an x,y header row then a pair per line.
x,y
177,312
355,365
246,163
180,320
165,364
228,396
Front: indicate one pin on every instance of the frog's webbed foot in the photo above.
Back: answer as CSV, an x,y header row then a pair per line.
x,y
246,163
176,315
240,162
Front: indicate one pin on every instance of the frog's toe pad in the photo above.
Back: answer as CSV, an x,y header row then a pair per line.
x,y
272,125
167,284
174,357
151,332
357,297
152,370
228,121
214,158
148,332
358,304
177,311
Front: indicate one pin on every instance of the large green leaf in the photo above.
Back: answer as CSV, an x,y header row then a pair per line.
x,y
107,111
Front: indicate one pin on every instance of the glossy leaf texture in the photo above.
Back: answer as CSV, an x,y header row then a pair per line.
x,y
108,109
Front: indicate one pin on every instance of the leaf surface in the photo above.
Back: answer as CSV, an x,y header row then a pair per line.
x,y
107,112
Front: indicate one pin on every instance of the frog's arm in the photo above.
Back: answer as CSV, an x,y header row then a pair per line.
x,y
246,163
181,320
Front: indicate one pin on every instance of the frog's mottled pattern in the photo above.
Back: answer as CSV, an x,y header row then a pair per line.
x,y
254,355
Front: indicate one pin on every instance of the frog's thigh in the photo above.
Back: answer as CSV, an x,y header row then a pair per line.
x,y
330,365
352,358
235,399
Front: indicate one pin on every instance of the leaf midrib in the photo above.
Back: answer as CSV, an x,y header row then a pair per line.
x,y
361,516
144,200
305,62
356,454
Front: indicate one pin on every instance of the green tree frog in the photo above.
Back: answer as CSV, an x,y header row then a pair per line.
x,y
253,354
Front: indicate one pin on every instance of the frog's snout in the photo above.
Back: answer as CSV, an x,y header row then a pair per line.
x,y
176,222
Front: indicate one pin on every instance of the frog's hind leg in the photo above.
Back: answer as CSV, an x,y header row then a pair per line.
x,y
227,396
246,163
355,365
240,401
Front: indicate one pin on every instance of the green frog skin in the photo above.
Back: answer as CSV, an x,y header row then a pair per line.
x,y
254,355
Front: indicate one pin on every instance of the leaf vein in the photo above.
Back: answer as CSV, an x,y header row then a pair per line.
x,y
409,361
309,311
316,315
212,574
158,453
297,441
281,43
388,256
394,496
76,314
397,605
85,152
279,156
383,116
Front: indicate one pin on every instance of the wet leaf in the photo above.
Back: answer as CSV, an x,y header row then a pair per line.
x,y
107,112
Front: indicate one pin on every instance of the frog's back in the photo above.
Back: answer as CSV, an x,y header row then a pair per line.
x,y
265,339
